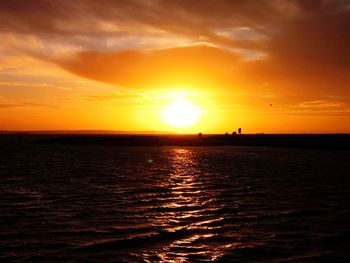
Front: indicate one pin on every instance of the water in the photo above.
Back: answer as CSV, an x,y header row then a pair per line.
x,y
66,203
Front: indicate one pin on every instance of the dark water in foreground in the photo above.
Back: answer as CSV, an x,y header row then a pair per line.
x,y
241,204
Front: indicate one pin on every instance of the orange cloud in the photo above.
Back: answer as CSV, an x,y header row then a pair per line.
x,y
211,68
187,66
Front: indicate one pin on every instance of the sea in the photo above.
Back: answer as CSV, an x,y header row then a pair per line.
x,y
173,204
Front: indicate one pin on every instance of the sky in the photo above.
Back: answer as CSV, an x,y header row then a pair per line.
x,y
271,66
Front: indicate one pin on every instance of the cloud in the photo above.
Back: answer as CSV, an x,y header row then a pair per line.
x,y
120,98
210,68
23,104
300,47
186,66
326,107
278,22
321,104
11,103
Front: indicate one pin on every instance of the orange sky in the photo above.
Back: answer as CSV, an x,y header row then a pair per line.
x,y
115,65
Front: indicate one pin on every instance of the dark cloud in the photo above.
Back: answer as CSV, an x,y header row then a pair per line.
x,y
50,16
281,21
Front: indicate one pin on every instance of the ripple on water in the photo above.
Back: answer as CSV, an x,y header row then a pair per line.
x,y
188,204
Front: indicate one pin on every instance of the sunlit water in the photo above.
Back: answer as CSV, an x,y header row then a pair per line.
x,y
242,204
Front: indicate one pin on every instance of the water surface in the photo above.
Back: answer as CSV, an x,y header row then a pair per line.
x,y
66,203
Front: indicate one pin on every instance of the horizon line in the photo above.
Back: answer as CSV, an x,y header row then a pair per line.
x,y
147,132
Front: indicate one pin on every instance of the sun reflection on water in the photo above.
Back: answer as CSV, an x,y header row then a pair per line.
x,y
188,212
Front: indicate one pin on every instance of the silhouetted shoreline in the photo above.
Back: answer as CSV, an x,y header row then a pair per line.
x,y
312,141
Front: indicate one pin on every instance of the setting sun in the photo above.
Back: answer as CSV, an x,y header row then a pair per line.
x,y
181,113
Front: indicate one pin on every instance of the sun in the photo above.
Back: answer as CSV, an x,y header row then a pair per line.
x,y
181,113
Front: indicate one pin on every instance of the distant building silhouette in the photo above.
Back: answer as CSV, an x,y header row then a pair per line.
x,y
199,135
239,130
226,134
234,133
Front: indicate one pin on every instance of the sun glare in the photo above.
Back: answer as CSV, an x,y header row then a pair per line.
x,y
181,113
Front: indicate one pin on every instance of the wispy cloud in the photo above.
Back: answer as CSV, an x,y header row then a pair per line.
x,y
321,104
323,107
6,103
